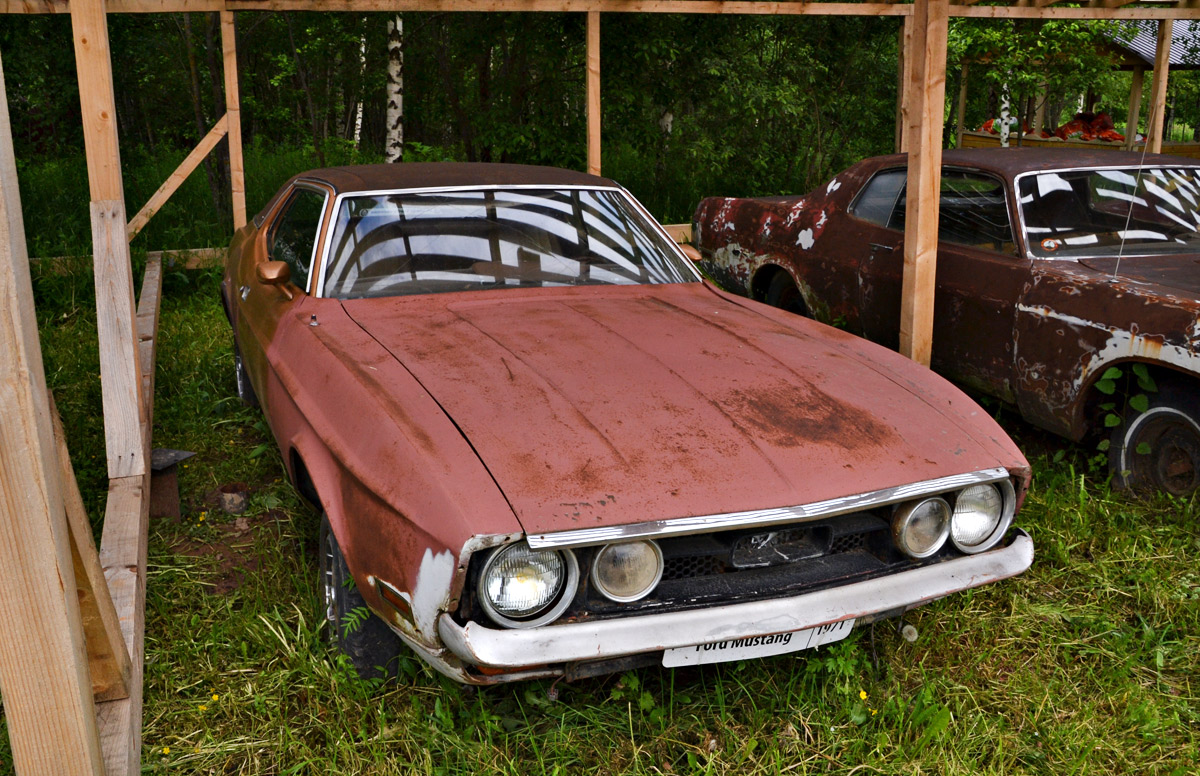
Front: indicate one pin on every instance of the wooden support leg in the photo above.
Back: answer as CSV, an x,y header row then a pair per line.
x,y
593,92
44,679
233,110
1158,87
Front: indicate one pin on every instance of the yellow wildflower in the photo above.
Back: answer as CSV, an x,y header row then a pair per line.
x,y
874,712
862,694
216,697
166,750
203,707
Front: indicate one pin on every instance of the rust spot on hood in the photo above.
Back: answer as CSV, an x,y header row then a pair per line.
x,y
789,415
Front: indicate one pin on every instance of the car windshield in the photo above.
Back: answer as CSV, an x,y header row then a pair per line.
x,y
1089,213
429,242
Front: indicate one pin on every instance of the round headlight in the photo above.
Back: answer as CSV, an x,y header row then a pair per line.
x,y
978,513
627,571
920,528
521,587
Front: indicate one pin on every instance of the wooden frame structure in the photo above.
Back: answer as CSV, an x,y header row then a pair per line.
x,y
71,665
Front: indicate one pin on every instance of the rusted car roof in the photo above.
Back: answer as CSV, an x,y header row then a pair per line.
x,y
1010,162
410,175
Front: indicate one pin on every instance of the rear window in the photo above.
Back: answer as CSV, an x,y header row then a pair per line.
x,y
430,242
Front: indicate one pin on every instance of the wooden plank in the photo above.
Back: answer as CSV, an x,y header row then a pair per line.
x,y
593,92
680,233
960,124
928,86
108,657
47,693
123,555
233,111
1135,107
176,179
1158,87
903,76
119,372
1083,12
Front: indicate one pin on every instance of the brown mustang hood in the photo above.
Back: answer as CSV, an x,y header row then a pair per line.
x,y
654,402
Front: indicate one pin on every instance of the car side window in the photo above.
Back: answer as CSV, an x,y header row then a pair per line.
x,y
295,234
877,200
973,212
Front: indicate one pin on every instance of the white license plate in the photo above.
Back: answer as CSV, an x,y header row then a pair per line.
x,y
757,646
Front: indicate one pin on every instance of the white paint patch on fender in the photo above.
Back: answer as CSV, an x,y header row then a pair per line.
x,y
432,591
805,240
833,186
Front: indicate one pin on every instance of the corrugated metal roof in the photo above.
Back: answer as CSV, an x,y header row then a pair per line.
x,y
1185,43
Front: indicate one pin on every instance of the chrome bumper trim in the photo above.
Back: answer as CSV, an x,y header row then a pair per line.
x,y
761,517
480,645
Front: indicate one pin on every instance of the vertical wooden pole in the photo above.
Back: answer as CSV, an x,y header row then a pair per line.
x,y
1039,112
1158,87
124,406
233,110
904,76
1135,107
927,101
43,662
593,92
962,107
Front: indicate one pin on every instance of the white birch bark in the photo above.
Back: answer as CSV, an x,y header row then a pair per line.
x,y
394,144
362,71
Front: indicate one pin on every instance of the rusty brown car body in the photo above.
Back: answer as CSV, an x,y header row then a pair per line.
x,y
1068,284
542,446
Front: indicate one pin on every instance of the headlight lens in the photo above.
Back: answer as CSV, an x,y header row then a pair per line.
x,y
627,571
920,528
521,587
978,513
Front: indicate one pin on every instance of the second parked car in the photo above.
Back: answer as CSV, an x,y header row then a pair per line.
x,y
1068,284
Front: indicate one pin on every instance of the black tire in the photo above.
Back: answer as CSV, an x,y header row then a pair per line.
x,y
782,293
1170,430
372,647
245,390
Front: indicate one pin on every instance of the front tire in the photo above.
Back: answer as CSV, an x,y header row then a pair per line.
x,y
1159,448
352,628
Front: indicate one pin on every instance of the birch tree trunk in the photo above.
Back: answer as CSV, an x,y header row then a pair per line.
x,y
394,144
358,97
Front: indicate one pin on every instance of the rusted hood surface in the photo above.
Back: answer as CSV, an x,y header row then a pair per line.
x,y
1180,272
605,406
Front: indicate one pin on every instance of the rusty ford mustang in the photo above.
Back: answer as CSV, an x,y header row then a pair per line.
x,y
541,445
1068,284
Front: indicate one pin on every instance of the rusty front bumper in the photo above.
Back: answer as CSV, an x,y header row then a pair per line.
x,y
568,643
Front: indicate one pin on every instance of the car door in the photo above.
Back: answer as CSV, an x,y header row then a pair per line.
x,y
292,236
980,278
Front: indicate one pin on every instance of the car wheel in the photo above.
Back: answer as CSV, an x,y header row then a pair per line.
x,y
372,647
245,390
1158,448
782,293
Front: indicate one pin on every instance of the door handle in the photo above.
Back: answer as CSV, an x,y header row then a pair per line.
x,y
883,247
244,291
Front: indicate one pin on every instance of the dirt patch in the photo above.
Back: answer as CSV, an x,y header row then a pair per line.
x,y
232,546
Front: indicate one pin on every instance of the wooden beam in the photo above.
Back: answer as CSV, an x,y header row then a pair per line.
x,y
1068,12
119,371
928,86
593,92
176,179
108,657
1158,87
233,112
903,76
960,124
47,693
1135,107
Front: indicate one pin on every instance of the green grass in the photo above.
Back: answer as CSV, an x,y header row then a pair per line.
x,y
1086,664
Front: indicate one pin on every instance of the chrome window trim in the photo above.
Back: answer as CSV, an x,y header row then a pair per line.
x,y
764,517
337,206
1016,191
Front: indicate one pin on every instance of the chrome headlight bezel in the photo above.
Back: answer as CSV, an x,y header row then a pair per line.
x,y
902,521
599,585
549,612
1008,509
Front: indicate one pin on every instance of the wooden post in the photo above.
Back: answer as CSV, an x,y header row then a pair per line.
x,y
1135,107
593,92
233,111
927,103
1158,87
124,408
904,76
962,107
43,661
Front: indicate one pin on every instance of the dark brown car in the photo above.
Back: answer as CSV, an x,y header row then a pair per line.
x,y
542,446
1067,284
